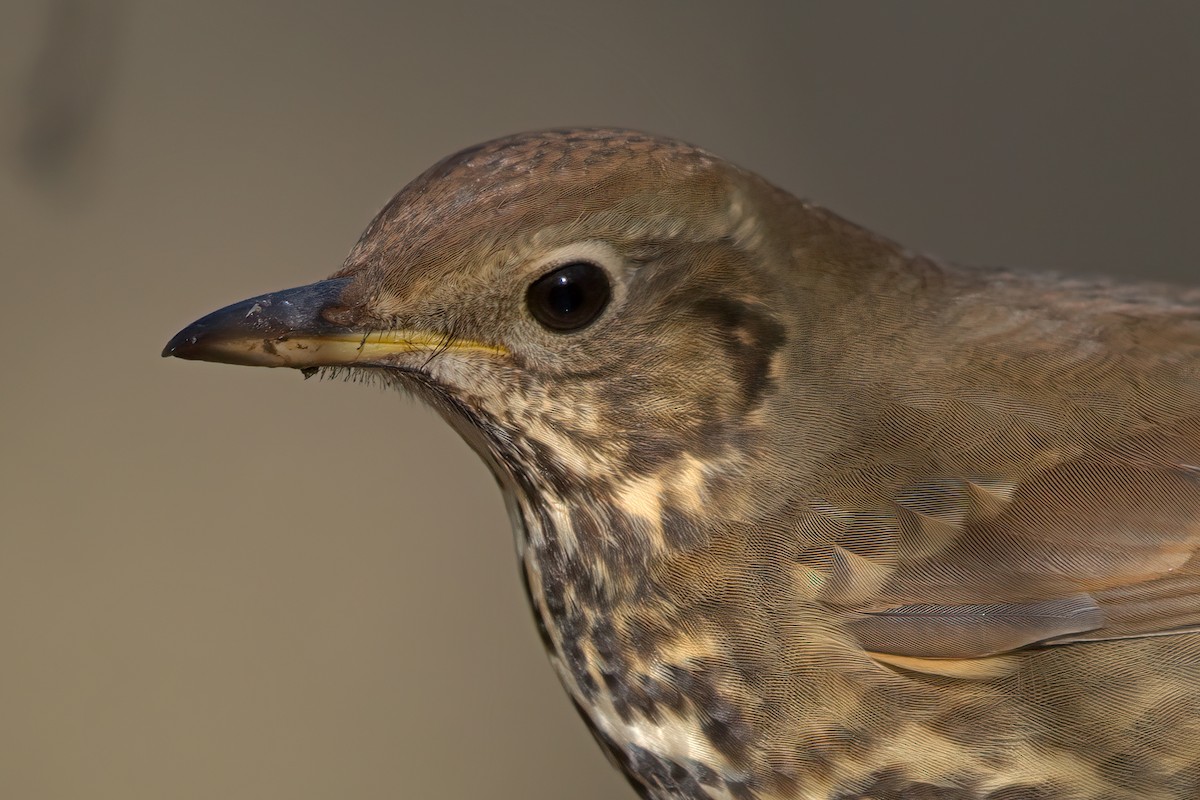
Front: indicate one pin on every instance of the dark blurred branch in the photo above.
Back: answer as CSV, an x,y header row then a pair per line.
x,y
69,85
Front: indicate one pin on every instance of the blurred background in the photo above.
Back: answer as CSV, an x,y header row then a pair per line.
x,y
221,582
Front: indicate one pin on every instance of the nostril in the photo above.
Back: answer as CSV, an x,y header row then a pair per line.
x,y
344,316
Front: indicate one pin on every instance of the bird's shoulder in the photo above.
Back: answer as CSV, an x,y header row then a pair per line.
x,y
1034,481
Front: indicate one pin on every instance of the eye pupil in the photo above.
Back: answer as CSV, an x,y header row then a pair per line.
x,y
569,297
564,296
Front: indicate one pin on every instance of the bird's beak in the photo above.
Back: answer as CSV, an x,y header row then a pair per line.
x,y
288,329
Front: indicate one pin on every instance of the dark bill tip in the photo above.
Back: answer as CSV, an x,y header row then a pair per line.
x,y
248,332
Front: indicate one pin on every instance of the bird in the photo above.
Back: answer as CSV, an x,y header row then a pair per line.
x,y
800,513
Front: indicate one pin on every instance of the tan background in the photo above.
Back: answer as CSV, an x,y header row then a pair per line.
x,y
230,583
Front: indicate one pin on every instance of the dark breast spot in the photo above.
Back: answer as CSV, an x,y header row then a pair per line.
x,y
543,631
725,726
666,778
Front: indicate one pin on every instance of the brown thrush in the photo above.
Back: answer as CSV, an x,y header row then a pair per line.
x,y
801,514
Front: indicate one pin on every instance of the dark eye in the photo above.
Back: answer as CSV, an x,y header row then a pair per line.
x,y
570,297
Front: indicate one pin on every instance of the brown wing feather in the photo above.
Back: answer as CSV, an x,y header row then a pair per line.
x,y
1058,518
